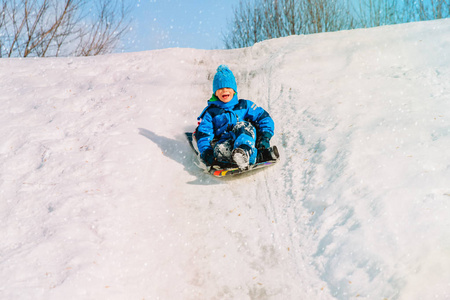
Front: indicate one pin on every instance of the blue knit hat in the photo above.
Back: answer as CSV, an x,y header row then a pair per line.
x,y
224,78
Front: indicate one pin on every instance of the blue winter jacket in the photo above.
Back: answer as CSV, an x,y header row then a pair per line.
x,y
218,118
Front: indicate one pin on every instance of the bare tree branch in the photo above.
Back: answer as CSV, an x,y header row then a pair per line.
x,y
104,35
61,27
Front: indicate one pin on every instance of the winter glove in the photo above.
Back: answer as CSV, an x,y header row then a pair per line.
x,y
208,157
264,141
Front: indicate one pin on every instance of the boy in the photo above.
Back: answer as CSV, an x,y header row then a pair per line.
x,y
237,127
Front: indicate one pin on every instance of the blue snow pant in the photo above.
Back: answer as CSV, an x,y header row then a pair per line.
x,y
243,135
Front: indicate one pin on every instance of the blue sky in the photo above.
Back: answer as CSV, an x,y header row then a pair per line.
x,y
159,24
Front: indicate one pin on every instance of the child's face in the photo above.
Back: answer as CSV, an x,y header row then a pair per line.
x,y
225,94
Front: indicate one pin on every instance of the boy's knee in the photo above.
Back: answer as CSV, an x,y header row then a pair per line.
x,y
246,128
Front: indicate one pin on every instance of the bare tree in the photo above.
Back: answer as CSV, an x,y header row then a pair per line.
x,y
371,13
247,28
257,20
60,27
326,15
105,31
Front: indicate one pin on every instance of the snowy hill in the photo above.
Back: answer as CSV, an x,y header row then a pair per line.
x,y
100,198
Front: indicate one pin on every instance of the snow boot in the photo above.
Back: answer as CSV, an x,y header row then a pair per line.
x,y
268,154
241,158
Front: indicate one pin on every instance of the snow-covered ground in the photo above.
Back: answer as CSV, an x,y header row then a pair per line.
x,y
101,199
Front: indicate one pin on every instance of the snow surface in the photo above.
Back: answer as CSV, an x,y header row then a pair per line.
x,y
101,199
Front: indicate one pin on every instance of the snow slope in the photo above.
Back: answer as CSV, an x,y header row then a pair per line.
x,y
101,199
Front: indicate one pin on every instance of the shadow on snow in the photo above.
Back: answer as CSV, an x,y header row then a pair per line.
x,y
179,151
